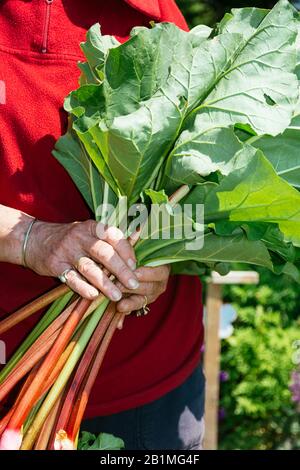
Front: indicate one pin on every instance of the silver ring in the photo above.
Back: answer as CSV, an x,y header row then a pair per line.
x,y
63,276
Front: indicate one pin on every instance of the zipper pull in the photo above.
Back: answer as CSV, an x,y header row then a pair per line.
x,y
46,26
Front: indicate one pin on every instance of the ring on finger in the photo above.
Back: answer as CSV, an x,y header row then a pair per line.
x,y
144,310
63,277
145,301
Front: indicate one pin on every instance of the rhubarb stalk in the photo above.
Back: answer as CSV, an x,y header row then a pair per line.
x,y
5,420
25,312
28,361
46,430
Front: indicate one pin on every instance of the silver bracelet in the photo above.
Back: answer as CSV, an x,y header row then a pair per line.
x,y
25,242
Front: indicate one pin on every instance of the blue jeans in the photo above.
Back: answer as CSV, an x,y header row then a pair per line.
x,y
173,422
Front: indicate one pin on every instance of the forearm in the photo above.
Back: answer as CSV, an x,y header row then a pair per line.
x,y
75,248
13,227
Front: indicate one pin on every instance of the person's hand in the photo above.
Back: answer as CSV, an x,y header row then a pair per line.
x,y
55,248
153,283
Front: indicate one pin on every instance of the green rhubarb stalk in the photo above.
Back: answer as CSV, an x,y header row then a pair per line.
x,y
62,379
77,412
33,412
46,430
83,367
53,312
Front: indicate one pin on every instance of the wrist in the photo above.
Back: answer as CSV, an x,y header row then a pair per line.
x,y
12,235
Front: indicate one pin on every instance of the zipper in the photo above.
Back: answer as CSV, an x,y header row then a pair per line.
x,y
46,26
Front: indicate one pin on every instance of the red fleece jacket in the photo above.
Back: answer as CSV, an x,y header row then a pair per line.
x,y
38,67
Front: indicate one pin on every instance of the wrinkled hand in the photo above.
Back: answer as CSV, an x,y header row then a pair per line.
x,y
153,283
54,248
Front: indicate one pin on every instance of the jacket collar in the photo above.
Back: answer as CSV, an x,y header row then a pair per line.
x,y
149,7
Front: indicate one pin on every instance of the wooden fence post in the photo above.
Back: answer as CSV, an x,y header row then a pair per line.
x,y
213,348
212,364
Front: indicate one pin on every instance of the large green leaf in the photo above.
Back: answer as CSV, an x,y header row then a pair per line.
x,y
192,160
159,72
175,83
255,193
257,88
244,21
102,442
283,254
74,158
170,237
216,249
262,48
134,146
283,152
129,104
96,156
95,49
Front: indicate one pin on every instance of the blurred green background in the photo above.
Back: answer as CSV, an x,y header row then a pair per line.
x,y
260,380
210,11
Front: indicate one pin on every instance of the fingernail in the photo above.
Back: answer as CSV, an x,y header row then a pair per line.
x,y
116,295
133,283
132,264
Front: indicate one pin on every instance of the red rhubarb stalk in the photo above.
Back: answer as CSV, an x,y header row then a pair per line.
x,y
38,350
25,366
35,389
5,420
32,308
60,364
